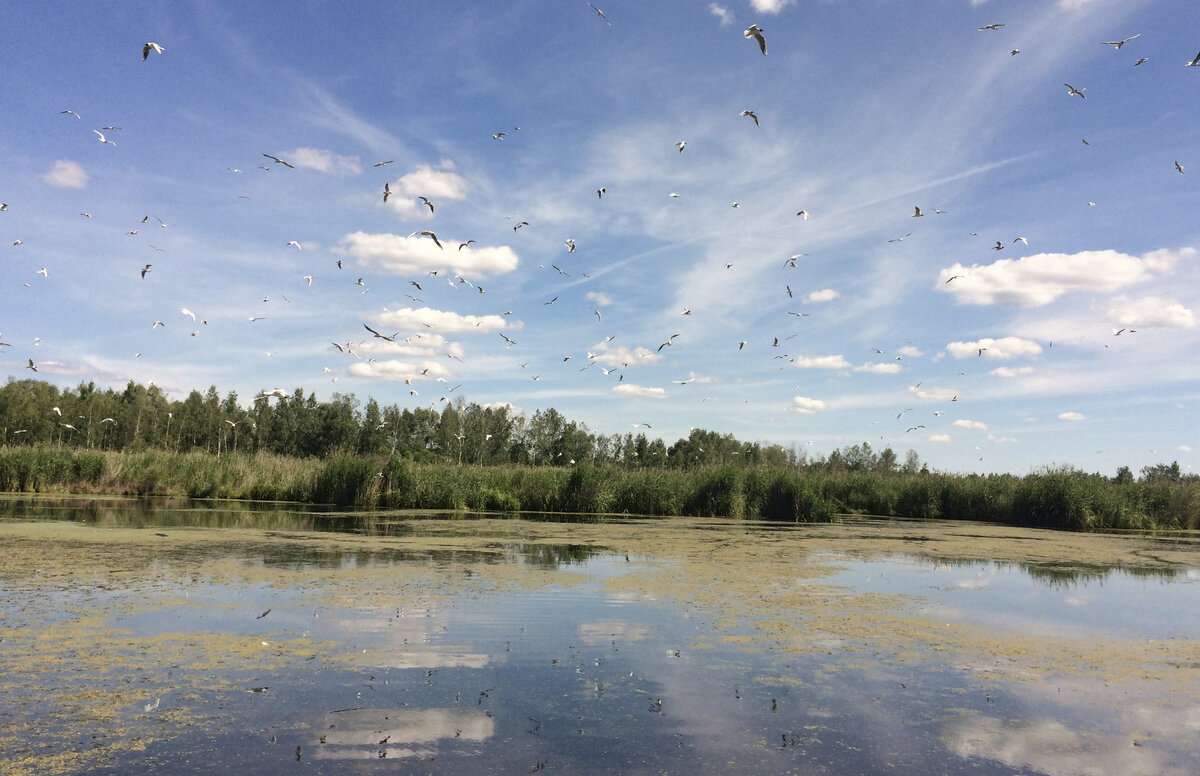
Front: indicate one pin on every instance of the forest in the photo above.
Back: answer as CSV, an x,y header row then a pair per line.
x,y
470,457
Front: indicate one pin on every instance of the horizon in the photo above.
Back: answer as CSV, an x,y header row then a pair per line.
x,y
990,270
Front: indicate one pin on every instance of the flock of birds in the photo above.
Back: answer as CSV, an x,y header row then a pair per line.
x,y
401,341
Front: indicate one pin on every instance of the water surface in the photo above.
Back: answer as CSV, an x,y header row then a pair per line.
x,y
193,638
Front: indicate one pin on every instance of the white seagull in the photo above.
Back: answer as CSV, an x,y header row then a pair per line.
x,y
754,31
151,46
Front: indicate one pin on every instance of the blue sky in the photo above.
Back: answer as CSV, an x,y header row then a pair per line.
x,y
865,111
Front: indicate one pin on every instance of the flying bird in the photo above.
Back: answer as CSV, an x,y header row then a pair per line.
x,y
380,164
750,114
570,246
1075,92
991,27
1194,63
670,341
277,160
378,335
1118,43
600,14
1140,61
464,244
146,269
803,214
498,136
1179,167
72,113
430,235
680,145
427,202
100,136
518,226
151,46
917,212
756,32
30,365
600,192
387,191
296,243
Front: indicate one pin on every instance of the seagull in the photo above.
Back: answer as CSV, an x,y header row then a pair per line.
x,y
156,324
803,214
1179,167
380,164
44,272
296,243
427,202
72,113
277,160
999,246
498,136
600,192
30,365
518,226
1194,63
1118,43
430,235
600,14
308,279
953,277
188,313
917,212
157,49
901,239
146,269
103,139
570,247
1076,92
464,244
680,145
673,195
1014,52
560,271
751,114
387,191
754,31
378,335
1024,240
991,27
670,341
278,393
1140,61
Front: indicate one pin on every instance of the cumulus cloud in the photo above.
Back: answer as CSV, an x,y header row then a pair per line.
x,y
1033,281
824,295
975,425
601,353
1006,347
1000,440
67,175
407,319
939,437
769,6
1008,371
416,255
425,181
323,161
600,298
1072,416
399,370
1150,311
910,351
839,362
1183,448
807,406
721,13
629,389
933,394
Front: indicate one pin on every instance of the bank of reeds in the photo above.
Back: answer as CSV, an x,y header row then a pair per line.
x,y
1052,498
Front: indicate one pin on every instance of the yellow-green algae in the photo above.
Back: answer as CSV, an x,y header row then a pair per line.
x,y
75,682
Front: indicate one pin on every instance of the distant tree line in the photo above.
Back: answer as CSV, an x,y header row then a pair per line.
x,y
140,418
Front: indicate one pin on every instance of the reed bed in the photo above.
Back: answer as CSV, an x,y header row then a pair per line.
x,y
1052,498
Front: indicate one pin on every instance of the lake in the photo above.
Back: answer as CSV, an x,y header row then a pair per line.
x,y
141,637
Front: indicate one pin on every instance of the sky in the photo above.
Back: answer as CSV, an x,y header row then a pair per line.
x,y
616,237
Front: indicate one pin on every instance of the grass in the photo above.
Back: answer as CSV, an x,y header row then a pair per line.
x,y
1052,498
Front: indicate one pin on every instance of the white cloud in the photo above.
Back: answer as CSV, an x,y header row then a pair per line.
x,y
1008,371
600,298
885,368
67,175
1006,347
822,362
398,370
933,394
1033,281
629,389
769,6
1000,440
621,356
807,406
721,13
1150,311
407,319
1072,416
910,351
971,424
939,437
323,161
824,295
1183,448
416,255
425,181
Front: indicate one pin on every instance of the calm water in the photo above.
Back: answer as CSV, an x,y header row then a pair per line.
x,y
283,641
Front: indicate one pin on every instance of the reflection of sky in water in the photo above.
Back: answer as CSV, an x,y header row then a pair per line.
x,y
1006,596
459,673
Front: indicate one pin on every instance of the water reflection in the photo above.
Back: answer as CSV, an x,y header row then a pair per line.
x,y
517,647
